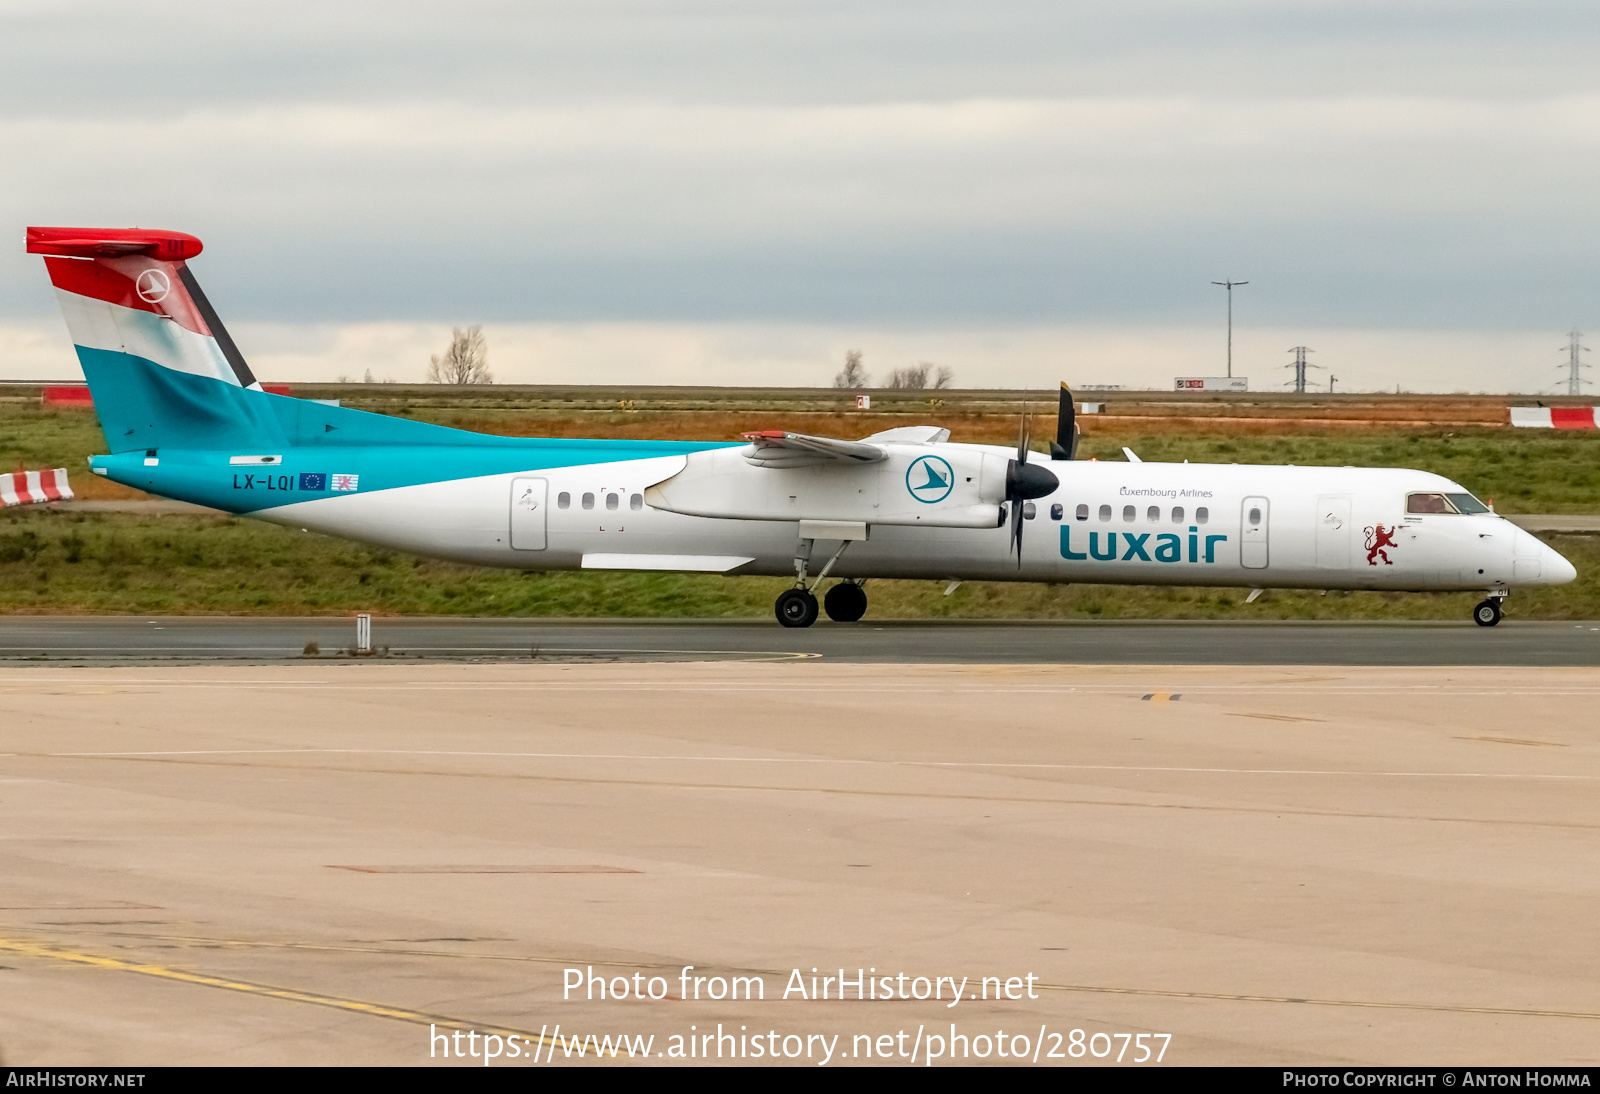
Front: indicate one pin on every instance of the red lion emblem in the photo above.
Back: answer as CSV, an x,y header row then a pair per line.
x,y
1377,539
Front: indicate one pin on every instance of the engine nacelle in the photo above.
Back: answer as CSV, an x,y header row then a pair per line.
x,y
934,486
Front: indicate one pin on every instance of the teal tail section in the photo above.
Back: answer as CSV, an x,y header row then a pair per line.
x,y
243,450
185,417
146,407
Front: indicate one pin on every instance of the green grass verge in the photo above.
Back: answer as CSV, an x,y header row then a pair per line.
x,y
53,562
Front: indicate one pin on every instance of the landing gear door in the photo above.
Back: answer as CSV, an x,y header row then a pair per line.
x,y
1333,533
527,513
1254,517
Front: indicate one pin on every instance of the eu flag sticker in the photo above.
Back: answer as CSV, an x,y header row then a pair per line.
x,y
313,480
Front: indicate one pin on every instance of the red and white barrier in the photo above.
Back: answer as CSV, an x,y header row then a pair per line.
x,y
32,487
1556,417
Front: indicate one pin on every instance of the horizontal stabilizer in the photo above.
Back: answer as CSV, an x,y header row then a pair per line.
x,y
112,243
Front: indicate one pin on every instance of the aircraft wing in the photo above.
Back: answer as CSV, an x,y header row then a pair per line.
x,y
777,448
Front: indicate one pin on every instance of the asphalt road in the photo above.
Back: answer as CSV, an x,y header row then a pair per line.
x,y
103,640
318,864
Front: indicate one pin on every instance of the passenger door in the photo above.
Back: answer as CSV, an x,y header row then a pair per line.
x,y
527,513
1254,516
1333,532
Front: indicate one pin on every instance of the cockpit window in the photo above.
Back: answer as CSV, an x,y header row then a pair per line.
x,y
1427,503
1466,503
1444,503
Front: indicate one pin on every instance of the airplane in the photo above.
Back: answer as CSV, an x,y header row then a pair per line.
x,y
184,417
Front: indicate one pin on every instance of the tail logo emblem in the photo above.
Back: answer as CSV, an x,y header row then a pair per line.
x,y
153,286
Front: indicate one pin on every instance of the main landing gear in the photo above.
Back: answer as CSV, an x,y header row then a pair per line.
x,y
1487,613
846,602
796,608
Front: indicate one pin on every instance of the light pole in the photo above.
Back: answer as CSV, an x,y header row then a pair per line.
x,y
1229,286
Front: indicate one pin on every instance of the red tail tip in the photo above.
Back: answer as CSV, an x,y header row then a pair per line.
x,y
111,242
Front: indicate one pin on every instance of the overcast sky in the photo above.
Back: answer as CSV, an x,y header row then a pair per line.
x,y
993,167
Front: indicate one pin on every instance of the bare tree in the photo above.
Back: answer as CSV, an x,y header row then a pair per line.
x,y
854,374
945,378
465,362
911,378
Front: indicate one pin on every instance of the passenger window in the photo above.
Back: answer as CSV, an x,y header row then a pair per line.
x,y
1177,514
1029,510
1154,514
1426,503
1083,512
563,500
1201,515
636,502
1129,513
611,501
1056,511
588,501
1255,515
1105,512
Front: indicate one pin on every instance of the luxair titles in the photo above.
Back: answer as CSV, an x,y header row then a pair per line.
x,y
1146,546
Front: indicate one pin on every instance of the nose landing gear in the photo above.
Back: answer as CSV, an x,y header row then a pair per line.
x,y
1487,613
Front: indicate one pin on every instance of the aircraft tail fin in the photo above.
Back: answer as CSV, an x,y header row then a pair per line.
x,y
161,367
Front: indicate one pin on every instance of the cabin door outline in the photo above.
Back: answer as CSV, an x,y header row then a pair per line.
x,y
529,502
1255,518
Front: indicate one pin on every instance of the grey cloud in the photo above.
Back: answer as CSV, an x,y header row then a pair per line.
x,y
77,56
1362,163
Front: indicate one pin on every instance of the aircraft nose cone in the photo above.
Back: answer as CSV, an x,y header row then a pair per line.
x,y
1557,570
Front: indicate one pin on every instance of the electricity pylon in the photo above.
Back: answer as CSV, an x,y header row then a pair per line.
x,y
1575,366
1300,365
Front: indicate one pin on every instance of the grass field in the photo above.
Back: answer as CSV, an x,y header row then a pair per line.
x,y
71,562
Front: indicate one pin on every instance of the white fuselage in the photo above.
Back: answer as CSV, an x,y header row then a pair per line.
x,y
1118,523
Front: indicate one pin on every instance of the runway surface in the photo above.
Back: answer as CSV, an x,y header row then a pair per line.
x,y
325,863
101,639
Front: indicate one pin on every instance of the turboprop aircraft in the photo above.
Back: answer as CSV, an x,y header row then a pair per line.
x,y
185,418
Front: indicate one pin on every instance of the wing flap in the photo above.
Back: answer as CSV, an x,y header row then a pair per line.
x,y
778,448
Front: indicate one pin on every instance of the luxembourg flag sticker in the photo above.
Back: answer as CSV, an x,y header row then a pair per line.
x,y
345,482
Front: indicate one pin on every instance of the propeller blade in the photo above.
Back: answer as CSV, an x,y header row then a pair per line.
x,y
1024,482
1065,446
1022,432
